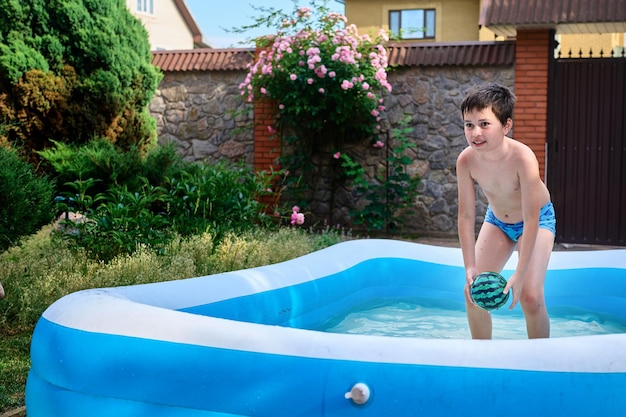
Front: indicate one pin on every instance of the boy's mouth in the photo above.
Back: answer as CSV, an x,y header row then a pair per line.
x,y
478,142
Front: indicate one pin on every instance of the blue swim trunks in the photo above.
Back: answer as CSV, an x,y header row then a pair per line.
x,y
547,220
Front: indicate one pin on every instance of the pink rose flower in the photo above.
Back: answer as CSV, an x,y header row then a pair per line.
x,y
337,155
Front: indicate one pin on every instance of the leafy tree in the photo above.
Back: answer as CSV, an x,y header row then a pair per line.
x,y
71,70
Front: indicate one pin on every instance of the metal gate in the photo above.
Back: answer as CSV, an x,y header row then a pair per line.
x,y
586,171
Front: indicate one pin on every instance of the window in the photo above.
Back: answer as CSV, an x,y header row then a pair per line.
x,y
145,6
413,23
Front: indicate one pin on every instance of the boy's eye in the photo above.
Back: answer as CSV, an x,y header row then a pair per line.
x,y
484,124
469,125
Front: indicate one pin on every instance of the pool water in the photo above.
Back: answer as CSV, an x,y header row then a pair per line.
x,y
414,319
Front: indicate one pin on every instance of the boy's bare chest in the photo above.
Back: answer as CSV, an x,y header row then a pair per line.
x,y
502,181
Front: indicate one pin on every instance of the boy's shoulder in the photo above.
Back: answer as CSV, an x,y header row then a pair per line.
x,y
521,150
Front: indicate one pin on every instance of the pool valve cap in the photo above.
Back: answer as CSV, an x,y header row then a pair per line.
x,y
359,394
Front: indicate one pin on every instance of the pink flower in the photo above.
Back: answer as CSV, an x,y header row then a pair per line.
x,y
297,218
293,77
309,81
337,155
379,144
281,106
375,112
321,90
271,129
366,86
332,74
263,90
346,85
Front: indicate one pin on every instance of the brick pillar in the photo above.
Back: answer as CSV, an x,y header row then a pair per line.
x,y
266,143
532,60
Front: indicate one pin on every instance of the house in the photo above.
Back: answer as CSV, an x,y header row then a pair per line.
x,y
169,23
458,20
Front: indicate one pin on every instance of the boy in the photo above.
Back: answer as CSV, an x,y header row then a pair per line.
x,y
519,213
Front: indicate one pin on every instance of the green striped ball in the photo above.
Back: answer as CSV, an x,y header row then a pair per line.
x,y
487,291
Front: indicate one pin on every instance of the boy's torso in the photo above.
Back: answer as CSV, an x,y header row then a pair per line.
x,y
499,179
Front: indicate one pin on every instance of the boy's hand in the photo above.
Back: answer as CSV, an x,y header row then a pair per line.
x,y
470,274
517,289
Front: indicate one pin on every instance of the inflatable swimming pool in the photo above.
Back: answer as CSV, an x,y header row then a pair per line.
x,y
237,344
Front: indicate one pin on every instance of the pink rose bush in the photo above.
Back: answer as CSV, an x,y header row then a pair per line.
x,y
325,75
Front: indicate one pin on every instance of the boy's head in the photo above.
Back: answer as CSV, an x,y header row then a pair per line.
x,y
499,98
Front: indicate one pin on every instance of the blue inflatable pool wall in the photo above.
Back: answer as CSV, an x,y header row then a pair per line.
x,y
240,344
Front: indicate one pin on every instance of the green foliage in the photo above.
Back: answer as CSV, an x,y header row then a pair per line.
x,y
109,166
394,191
115,222
195,199
214,198
74,69
25,199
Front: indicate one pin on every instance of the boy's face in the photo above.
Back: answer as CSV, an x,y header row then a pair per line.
x,y
483,130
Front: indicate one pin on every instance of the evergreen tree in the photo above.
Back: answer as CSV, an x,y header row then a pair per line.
x,y
72,70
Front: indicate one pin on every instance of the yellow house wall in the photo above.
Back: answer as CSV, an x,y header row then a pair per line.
x,y
456,20
606,42
166,27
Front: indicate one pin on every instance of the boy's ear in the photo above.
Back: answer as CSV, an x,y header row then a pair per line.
x,y
509,125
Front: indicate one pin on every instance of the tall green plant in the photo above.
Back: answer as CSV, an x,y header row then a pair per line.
x,y
116,222
215,198
393,191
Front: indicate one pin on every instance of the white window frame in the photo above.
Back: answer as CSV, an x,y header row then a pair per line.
x,y
413,23
145,6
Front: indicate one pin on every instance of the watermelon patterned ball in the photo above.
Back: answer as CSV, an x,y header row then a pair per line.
x,y
487,291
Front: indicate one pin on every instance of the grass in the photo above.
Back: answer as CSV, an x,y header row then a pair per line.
x,y
42,269
14,366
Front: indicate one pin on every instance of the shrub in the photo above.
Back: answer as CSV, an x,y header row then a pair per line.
x,y
110,166
26,198
116,222
324,77
196,199
214,198
71,70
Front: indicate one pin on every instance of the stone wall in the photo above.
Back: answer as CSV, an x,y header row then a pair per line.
x,y
432,96
204,115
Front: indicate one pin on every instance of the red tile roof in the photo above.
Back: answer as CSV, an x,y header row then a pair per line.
x,y
504,17
207,59
457,53
400,53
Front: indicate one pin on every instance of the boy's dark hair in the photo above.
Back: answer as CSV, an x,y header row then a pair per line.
x,y
500,98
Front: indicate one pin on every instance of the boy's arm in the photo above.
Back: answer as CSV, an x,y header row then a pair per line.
x,y
531,187
466,215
